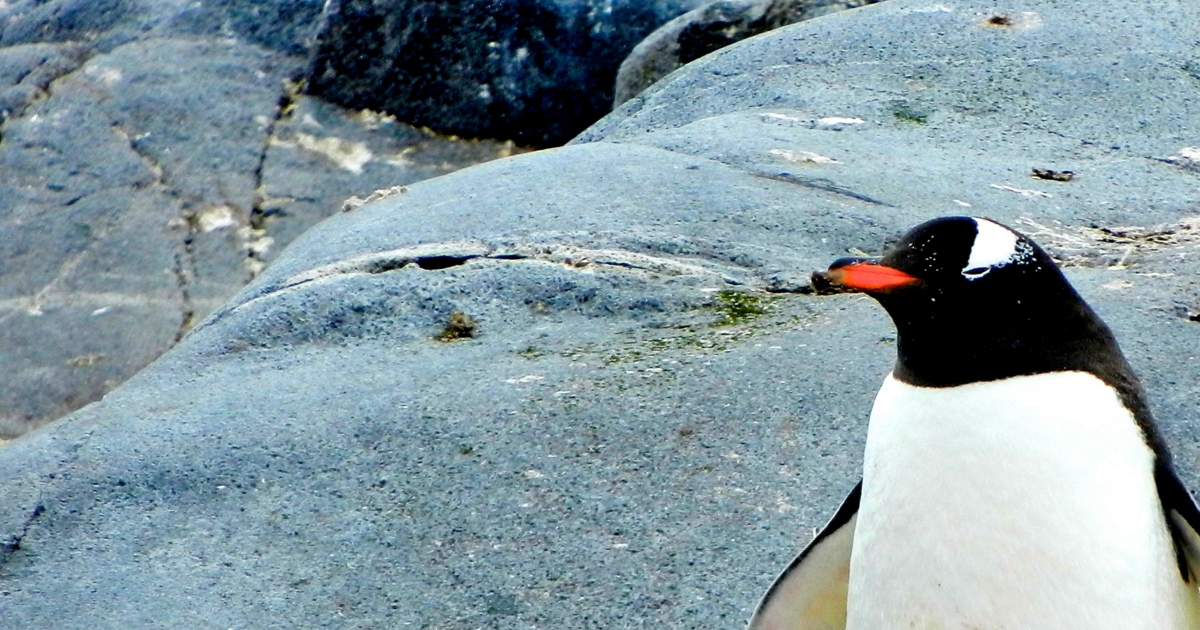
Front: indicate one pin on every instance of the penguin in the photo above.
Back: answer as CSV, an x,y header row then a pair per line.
x,y
1013,477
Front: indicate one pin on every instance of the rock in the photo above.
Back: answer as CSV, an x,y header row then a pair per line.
x,y
288,27
148,185
625,440
320,154
26,72
125,191
708,28
533,71
249,163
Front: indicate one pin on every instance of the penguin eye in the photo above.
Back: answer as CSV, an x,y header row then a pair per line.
x,y
975,273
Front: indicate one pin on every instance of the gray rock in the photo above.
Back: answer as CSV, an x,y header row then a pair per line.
x,y
288,27
708,28
197,93
122,193
146,188
651,416
533,71
930,86
26,72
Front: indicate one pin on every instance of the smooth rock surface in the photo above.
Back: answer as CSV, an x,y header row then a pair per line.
x,y
533,71
709,28
652,416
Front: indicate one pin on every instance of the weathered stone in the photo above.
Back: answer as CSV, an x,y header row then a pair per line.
x,y
289,27
144,187
533,71
27,70
124,191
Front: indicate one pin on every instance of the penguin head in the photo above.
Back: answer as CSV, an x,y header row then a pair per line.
x,y
971,299
966,263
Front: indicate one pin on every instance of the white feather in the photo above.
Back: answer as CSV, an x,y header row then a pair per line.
x,y
994,246
1025,504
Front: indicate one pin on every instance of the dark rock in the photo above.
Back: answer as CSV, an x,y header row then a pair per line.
x,y
533,71
709,28
618,445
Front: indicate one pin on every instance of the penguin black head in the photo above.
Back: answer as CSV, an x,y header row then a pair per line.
x,y
974,300
955,270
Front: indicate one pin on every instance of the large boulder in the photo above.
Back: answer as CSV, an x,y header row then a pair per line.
x,y
533,71
586,387
709,28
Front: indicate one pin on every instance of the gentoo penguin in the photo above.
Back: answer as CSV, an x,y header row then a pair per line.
x,y
1013,477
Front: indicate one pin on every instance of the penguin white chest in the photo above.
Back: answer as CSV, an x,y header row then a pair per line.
x,y
1022,504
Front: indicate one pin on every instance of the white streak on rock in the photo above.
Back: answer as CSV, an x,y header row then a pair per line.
x,y
803,157
1024,192
216,218
352,156
834,120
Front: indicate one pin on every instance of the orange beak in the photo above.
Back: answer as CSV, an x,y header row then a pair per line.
x,y
850,274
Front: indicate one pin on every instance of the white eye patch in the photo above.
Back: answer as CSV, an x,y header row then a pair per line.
x,y
994,246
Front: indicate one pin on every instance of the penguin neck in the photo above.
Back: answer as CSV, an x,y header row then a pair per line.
x,y
933,352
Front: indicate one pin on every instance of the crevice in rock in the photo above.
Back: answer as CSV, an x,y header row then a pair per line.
x,y
13,545
439,256
816,183
76,54
448,255
1187,158
259,212
33,304
148,160
1106,146
428,263
185,261
821,184
435,263
38,299
803,289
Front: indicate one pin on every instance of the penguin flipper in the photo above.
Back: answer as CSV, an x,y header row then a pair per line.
x,y
810,594
1183,519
